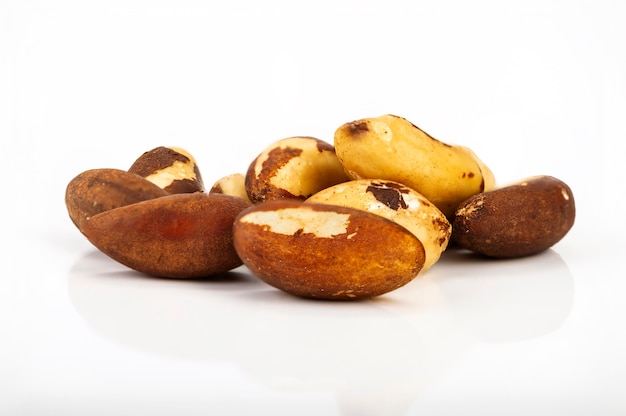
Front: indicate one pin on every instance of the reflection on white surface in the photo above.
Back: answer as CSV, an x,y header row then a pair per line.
x,y
375,356
508,300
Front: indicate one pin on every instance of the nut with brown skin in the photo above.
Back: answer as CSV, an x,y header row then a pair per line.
x,y
98,190
516,220
293,168
325,251
178,236
171,168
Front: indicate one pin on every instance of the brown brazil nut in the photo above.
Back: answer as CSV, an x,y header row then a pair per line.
x,y
171,168
326,251
97,190
180,235
516,220
293,168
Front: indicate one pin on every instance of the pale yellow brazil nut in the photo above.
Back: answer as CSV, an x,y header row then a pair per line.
x,y
293,168
391,147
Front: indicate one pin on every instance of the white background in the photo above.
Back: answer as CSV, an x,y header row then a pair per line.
x,y
533,87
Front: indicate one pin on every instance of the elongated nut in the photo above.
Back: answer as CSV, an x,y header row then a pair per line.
x,y
294,168
171,168
180,235
326,251
398,203
390,147
516,220
233,184
98,190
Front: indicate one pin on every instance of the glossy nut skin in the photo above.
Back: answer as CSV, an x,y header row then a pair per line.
x,y
178,236
390,147
325,251
516,220
397,203
171,168
98,190
293,168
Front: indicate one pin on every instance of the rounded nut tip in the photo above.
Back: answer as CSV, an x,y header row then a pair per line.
x,y
98,190
171,168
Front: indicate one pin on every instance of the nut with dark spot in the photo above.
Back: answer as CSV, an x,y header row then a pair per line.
x,y
171,168
398,203
293,168
389,193
392,148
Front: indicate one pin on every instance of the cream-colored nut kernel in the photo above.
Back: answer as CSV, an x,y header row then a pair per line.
x,y
392,148
289,221
185,235
326,251
398,203
170,168
516,220
233,185
294,168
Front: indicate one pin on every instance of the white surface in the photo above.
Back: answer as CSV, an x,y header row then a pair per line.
x,y
533,87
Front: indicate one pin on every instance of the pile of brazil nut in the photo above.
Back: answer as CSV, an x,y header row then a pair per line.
x,y
346,221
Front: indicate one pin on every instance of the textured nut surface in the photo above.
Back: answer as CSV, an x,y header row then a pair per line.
x,y
171,168
325,251
294,168
398,203
97,190
181,235
233,184
516,220
391,147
